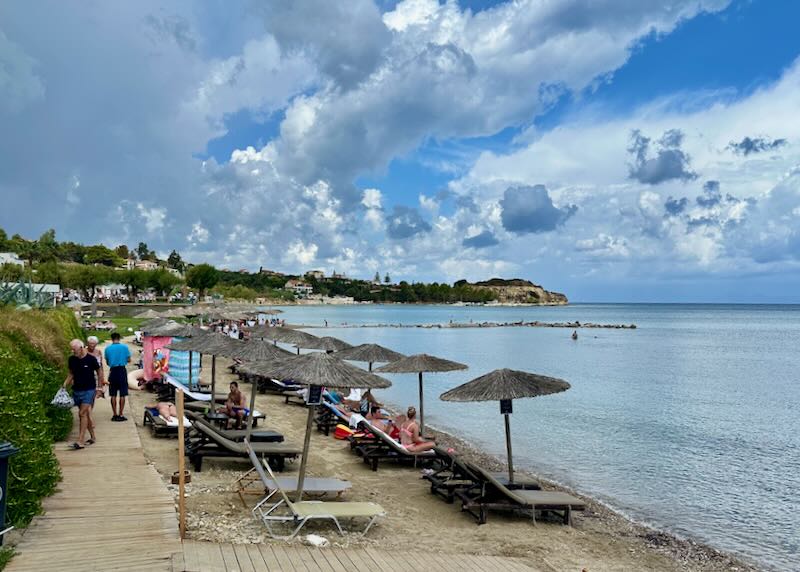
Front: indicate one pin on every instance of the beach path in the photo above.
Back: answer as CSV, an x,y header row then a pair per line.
x,y
210,557
112,510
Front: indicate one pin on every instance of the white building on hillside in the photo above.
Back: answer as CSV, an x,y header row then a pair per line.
x,y
11,258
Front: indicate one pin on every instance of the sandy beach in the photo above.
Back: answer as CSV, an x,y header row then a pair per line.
x,y
599,539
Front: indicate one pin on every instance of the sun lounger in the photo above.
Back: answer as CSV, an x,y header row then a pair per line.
x,y
328,417
377,446
297,514
160,426
203,406
205,441
454,474
256,436
255,482
492,494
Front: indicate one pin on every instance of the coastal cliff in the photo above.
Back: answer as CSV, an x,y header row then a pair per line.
x,y
518,291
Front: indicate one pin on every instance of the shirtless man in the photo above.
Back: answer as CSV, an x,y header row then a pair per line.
x,y
235,405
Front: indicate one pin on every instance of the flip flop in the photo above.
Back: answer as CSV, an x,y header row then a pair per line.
x,y
91,442
77,447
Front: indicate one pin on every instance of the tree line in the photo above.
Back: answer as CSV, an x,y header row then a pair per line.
x,y
86,268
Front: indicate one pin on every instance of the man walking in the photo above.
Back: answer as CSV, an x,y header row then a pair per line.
x,y
82,368
118,356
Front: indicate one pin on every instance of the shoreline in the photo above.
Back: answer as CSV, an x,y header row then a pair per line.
x,y
685,551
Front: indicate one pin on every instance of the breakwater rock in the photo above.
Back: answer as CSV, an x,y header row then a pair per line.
x,y
518,324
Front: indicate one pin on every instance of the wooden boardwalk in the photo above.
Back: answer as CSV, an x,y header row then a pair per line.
x,y
210,557
113,512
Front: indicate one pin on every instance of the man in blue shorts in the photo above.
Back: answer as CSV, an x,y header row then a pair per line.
x,y
118,356
82,377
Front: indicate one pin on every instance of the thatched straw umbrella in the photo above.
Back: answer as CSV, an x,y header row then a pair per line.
x,y
503,385
281,334
317,370
370,353
259,350
419,364
326,343
148,314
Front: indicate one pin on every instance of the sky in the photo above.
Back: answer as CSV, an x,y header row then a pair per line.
x,y
615,151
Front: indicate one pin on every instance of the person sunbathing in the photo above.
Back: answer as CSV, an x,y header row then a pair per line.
x,y
235,405
409,434
166,410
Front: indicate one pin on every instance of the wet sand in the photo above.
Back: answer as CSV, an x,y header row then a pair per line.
x,y
417,520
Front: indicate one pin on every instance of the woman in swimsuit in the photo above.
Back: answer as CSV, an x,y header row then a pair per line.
x,y
409,434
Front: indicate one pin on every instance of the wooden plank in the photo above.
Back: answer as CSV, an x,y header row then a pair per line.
x,y
358,558
294,559
333,560
320,560
214,559
305,557
242,556
270,561
279,559
191,562
256,557
228,556
378,557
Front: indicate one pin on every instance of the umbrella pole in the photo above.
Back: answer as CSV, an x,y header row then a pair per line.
x,y
421,408
302,476
190,370
213,381
370,366
252,407
508,448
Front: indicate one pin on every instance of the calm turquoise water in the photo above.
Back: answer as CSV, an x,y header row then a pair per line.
x,y
688,423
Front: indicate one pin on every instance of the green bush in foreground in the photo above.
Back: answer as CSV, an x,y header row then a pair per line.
x,y
33,351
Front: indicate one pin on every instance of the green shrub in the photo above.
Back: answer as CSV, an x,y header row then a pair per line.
x,y
33,351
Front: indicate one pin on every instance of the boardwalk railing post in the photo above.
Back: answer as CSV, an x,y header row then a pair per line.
x,y
181,469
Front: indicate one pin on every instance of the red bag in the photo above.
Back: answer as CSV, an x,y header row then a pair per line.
x,y
342,432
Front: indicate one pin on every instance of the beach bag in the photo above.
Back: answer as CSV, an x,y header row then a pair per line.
x,y
342,432
62,400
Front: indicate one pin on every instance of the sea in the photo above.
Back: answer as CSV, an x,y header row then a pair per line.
x,y
688,423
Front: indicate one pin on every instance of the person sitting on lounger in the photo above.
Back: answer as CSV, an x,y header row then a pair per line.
x,y
235,405
409,434
378,419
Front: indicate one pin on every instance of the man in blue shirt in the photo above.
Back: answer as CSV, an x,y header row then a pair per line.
x,y
118,356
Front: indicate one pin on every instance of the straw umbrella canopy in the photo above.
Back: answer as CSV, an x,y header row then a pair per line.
x,y
259,350
419,364
149,313
285,335
327,343
317,370
370,353
503,385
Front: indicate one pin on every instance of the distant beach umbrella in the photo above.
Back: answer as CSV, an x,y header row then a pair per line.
x,y
281,334
326,343
421,363
148,314
259,350
370,353
503,385
318,370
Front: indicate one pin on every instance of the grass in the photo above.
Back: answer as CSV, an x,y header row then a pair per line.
x,y
5,556
122,327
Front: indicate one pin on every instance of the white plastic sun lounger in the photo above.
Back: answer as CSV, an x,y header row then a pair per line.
x,y
299,513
